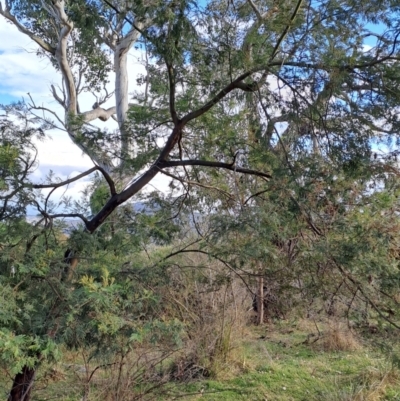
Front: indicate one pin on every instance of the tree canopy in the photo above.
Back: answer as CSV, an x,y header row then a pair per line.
x,y
223,79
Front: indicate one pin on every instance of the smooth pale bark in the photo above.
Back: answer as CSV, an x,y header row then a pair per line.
x,y
23,382
99,113
58,11
121,84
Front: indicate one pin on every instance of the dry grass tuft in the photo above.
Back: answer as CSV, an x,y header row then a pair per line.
x,y
372,385
377,382
338,337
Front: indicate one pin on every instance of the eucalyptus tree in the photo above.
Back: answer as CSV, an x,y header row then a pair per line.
x,y
239,98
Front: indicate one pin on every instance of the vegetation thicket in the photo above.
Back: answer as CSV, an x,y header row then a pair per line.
x,y
276,126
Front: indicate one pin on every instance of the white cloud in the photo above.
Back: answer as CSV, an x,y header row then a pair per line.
x,y
366,48
21,70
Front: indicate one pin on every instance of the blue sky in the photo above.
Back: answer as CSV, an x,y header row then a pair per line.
x,y
5,98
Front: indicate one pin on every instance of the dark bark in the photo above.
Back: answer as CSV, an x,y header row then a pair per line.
x,y
136,186
260,301
213,164
22,386
70,261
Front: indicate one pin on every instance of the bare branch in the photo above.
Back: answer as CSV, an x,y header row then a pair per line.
x,y
119,199
59,215
137,184
102,99
227,264
34,107
199,184
255,195
286,30
57,98
206,163
109,180
330,67
44,45
255,9
237,83
359,287
100,113
66,182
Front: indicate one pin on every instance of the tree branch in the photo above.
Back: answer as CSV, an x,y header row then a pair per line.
x,y
44,45
119,199
61,54
33,106
66,182
199,184
57,98
255,9
56,185
286,30
131,22
121,84
171,79
206,163
237,83
254,86
359,287
109,180
59,215
100,113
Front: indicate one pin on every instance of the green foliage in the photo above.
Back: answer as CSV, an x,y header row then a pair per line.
x,y
284,90
99,197
18,351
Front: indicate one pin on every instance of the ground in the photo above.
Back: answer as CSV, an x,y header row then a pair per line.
x,y
281,361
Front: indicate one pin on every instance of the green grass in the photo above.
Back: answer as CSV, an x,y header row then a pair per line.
x,y
280,367
271,363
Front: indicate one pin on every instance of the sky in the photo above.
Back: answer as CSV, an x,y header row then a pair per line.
x,y
22,72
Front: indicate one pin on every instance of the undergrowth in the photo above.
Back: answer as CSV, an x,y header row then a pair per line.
x,y
289,360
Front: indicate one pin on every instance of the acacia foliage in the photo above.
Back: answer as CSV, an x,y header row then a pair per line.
x,y
322,246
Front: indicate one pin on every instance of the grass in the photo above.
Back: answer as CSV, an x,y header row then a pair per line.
x,y
282,362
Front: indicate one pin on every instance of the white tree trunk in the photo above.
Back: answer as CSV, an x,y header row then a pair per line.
x,y
121,86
